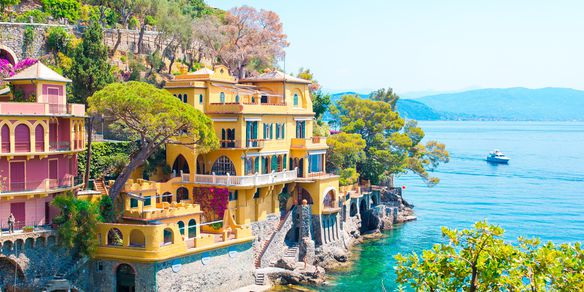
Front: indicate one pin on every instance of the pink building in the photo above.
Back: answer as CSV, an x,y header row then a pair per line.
x,y
40,137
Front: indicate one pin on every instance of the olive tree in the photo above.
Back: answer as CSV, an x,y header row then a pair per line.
x,y
152,117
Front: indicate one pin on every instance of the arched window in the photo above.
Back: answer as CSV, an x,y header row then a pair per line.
x,y
329,199
185,98
39,137
168,236
181,227
167,197
200,98
223,165
222,97
192,228
182,193
115,237
125,278
180,97
180,164
137,238
237,98
295,99
22,138
5,139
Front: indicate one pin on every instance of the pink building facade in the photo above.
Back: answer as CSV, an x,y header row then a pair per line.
x,y
40,137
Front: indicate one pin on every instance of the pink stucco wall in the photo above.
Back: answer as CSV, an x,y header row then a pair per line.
x,y
34,211
37,170
61,93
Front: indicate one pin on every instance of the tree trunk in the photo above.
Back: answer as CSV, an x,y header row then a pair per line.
x,y
88,156
473,280
135,161
118,41
170,65
141,38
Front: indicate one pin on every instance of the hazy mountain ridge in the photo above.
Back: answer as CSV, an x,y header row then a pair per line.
x,y
552,104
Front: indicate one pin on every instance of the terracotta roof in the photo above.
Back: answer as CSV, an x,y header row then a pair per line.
x,y
38,71
276,76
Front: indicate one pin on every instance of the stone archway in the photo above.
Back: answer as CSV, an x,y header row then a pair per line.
x,y
330,198
125,278
10,272
8,54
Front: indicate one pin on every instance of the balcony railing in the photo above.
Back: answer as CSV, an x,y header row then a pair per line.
x,y
246,180
45,185
60,146
34,108
237,144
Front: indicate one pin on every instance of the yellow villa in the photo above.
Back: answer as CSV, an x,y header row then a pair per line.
x,y
265,128
268,162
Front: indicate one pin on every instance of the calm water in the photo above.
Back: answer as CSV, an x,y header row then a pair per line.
x,y
540,193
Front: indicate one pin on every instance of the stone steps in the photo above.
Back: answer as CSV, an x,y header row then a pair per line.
x,y
292,251
260,279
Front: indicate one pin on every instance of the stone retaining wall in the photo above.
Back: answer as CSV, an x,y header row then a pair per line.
x,y
222,269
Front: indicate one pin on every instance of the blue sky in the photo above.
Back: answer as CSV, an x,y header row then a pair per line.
x,y
416,45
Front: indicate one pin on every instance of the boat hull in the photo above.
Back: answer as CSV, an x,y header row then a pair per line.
x,y
498,160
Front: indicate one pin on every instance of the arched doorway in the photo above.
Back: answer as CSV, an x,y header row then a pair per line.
x,y
362,206
182,193
180,164
223,166
10,272
125,278
304,195
353,211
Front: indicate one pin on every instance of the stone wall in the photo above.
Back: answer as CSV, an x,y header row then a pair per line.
x,y
263,231
12,37
222,269
276,247
37,258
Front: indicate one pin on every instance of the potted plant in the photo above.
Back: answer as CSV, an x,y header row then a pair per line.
x,y
28,229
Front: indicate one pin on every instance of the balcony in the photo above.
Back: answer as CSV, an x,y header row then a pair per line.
x,y
42,186
163,210
237,144
41,109
309,143
241,181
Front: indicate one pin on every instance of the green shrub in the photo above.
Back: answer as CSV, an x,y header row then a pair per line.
x,y
133,23
68,9
37,16
348,177
58,40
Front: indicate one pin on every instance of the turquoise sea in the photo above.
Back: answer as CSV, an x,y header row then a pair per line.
x,y
540,193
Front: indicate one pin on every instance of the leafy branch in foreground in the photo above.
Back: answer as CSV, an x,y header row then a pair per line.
x,y
479,259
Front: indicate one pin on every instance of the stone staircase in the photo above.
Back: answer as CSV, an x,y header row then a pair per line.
x,y
283,221
292,251
260,279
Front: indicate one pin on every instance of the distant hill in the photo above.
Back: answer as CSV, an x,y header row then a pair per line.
x,y
549,104
407,108
510,104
